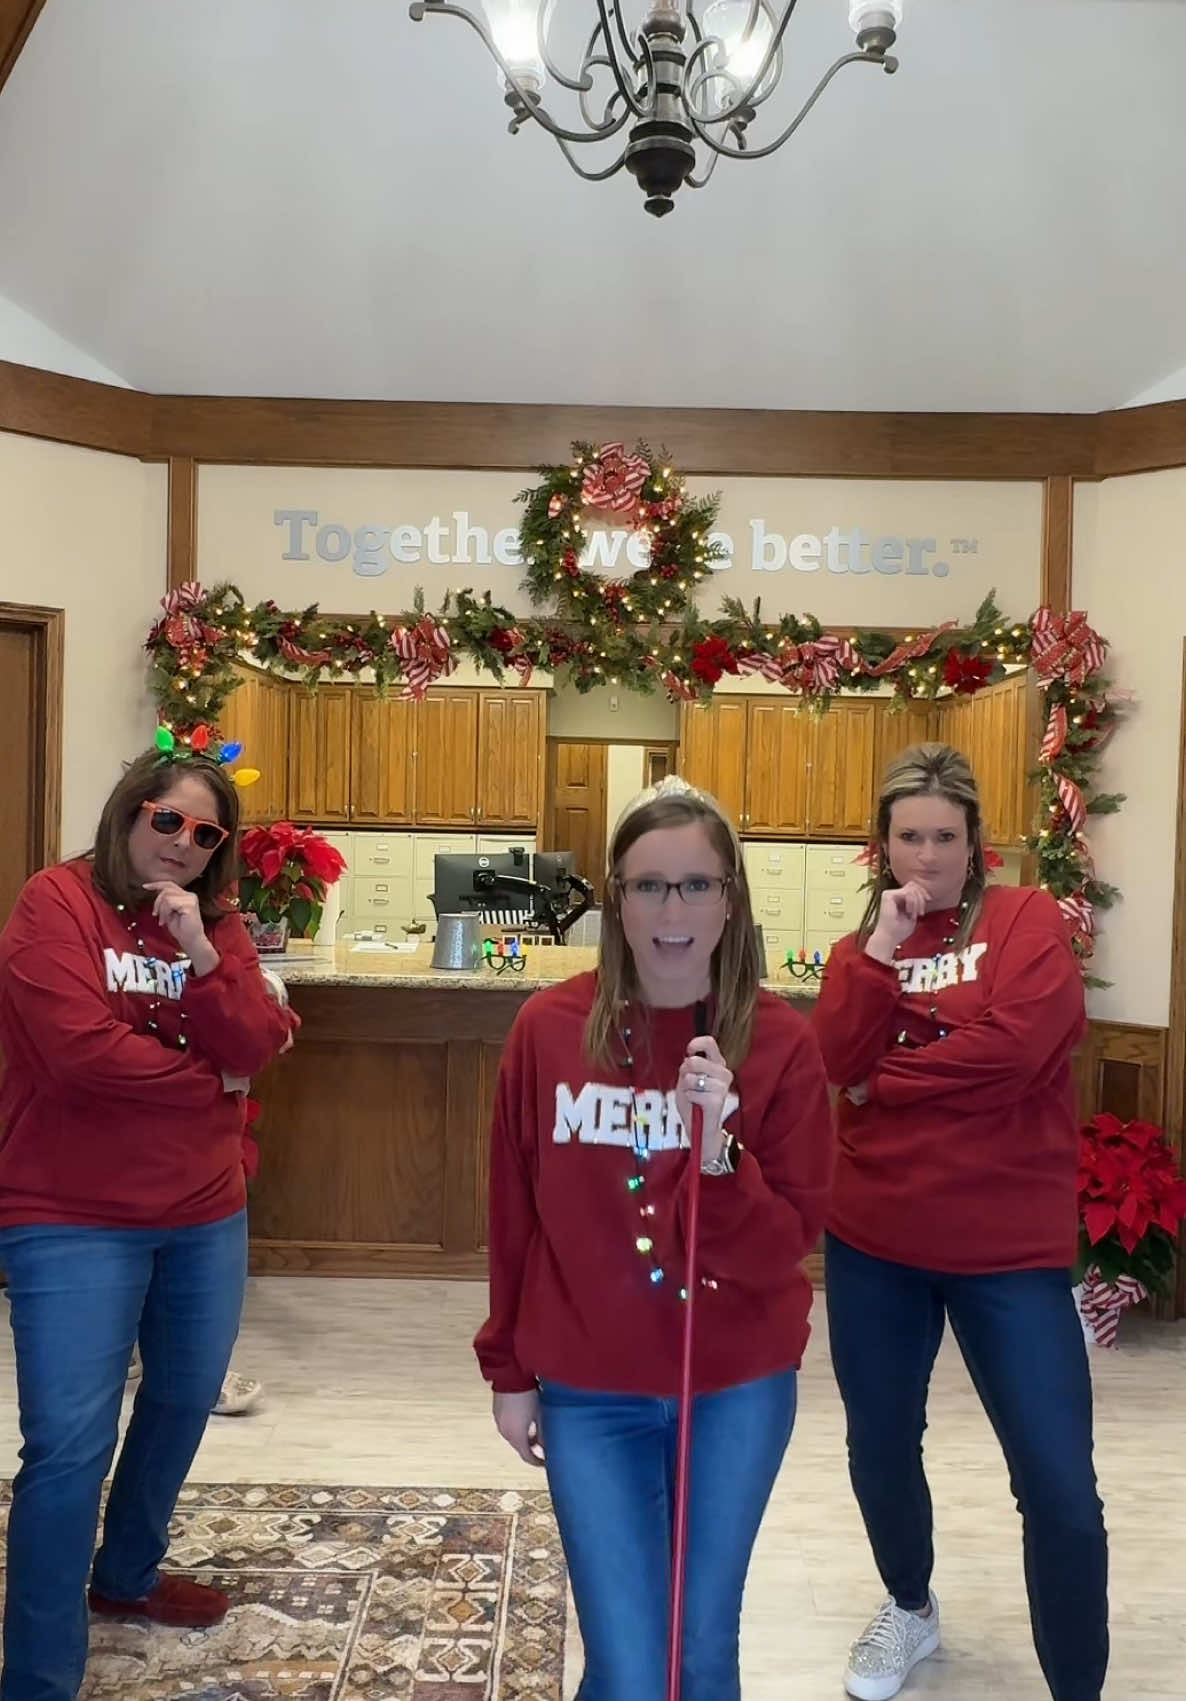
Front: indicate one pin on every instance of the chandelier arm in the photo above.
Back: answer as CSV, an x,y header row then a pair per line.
x,y
625,84
608,124
694,90
748,99
886,63
699,182
578,85
532,106
591,176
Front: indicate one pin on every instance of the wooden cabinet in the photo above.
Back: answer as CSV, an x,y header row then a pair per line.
x,y
510,758
997,729
781,771
319,754
256,716
777,767
712,751
382,760
447,759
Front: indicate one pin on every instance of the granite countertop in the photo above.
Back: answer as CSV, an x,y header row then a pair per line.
x,y
304,964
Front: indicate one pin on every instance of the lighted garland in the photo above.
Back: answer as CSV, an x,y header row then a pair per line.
x,y
645,630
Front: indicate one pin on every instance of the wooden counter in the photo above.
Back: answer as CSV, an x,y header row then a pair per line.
x,y
374,1130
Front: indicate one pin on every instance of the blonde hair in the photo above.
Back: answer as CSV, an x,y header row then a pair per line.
x,y
736,970
930,770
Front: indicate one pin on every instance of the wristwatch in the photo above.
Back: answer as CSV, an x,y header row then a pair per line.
x,y
725,1162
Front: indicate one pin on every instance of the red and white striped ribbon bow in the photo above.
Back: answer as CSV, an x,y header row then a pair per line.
x,y
183,598
1102,1304
1072,800
815,666
1065,646
426,651
678,690
1079,914
770,667
613,481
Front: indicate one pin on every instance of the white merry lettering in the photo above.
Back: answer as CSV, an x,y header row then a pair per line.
x,y
128,972
946,968
601,1115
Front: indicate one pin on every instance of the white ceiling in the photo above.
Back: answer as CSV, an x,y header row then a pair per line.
x,y
288,197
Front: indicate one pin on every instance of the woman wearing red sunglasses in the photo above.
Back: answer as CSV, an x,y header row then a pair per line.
x,y
128,990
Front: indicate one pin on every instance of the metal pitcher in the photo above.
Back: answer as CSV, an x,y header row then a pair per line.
x,y
459,942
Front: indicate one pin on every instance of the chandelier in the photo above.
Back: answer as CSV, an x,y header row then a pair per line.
x,y
674,94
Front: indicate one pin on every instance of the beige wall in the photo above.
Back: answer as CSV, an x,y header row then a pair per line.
x,y
613,714
86,532
623,782
1128,576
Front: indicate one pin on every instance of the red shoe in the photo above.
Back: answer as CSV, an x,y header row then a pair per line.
x,y
175,1600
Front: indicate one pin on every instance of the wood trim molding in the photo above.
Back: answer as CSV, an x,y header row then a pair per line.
x,y
1175,1069
49,625
182,548
17,18
1134,440
1058,509
75,410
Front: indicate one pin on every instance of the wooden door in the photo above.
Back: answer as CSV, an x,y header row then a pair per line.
x,y
575,817
302,757
776,758
510,759
319,754
712,751
447,759
840,771
31,715
382,760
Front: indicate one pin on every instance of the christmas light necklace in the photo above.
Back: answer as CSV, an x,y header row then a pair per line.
x,y
152,963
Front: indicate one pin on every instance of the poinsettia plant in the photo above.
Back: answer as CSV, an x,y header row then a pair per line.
x,y
285,874
1131,1201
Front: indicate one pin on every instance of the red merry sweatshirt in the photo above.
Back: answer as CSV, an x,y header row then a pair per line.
x,y
102,1122
964,1158
571,1297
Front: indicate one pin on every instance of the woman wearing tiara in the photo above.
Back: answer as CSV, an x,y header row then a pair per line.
x,y
588,1188
130,995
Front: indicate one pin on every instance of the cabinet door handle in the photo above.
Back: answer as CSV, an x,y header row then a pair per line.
x,y
479,812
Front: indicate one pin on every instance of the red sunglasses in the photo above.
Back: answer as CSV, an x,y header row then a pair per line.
x,y
167,821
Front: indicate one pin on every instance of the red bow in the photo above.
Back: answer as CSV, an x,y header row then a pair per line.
x,y
613,481
1102,1304
301,657
815,666
678,690
770,667
1056,734
426,651
1065,646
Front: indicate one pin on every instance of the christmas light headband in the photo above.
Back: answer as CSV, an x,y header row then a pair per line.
x,y
199,743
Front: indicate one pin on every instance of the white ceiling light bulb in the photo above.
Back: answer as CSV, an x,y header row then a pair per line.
x,y
877,17
513,28
744,31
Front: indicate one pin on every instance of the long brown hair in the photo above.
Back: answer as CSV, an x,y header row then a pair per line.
x,y
736,970
143,781
930,770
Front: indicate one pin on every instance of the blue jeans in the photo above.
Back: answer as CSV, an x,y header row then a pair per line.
x,y
611,1472
80,1299
1023,1345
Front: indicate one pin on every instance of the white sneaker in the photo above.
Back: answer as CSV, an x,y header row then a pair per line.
x,y
888,1649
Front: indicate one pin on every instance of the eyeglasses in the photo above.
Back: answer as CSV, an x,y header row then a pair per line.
x,y
700,891
206,835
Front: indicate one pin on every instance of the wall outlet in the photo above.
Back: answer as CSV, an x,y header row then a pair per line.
x,y
613,703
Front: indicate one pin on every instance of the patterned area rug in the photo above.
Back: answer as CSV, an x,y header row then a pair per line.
x,y
353,1594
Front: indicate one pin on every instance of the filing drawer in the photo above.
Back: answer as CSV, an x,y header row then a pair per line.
x,y
776,908
495,844
841,911
380,896
428,845
382,854
822,940
833,868
768,865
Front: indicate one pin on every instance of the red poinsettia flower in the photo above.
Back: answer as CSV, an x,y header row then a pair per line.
x,y
1128,1182
502,639
569,563
965,673
711,657
992,859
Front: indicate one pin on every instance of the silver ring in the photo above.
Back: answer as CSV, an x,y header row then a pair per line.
x,y
701,1083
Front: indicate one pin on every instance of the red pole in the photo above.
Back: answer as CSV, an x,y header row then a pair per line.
x,y
683,1453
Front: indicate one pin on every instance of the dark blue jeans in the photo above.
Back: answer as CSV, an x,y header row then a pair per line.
x,y
611,1471
80,1299
1023,1346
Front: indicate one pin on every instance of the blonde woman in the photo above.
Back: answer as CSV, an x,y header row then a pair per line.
x,y
588,1177
948,1019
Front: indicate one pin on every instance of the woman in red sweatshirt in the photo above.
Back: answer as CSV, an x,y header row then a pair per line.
x,y
948,1019
588,1187
128,988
